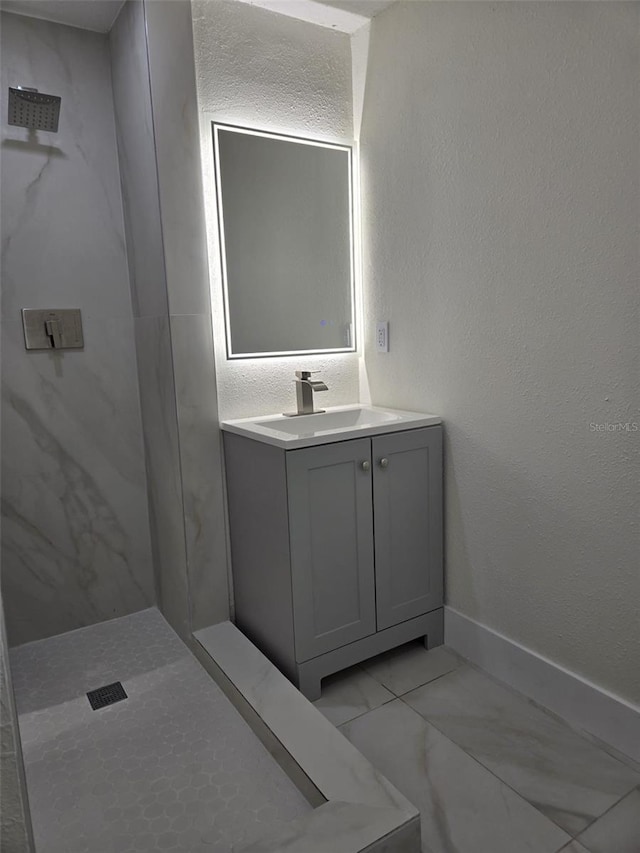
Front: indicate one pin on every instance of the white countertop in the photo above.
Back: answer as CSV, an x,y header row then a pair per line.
x,y
339,423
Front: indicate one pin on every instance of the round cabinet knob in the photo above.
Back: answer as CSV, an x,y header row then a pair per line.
x,y
384,463
365,465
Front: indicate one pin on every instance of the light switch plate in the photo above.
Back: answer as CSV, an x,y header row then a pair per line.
x,y
38,323
382,336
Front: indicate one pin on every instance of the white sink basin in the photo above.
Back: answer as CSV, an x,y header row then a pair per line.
x,y
336,424
328,420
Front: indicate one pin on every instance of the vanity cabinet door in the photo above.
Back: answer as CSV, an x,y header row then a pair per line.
x,y
407,489
331,539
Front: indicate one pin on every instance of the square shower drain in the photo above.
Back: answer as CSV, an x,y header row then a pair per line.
x,y
106,695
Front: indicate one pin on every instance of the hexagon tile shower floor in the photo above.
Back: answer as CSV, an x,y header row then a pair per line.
x,y
171,767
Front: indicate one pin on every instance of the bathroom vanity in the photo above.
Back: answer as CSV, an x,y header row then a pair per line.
x,y
336,535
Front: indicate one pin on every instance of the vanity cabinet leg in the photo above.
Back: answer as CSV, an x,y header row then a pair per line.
x,y
309,684
435,635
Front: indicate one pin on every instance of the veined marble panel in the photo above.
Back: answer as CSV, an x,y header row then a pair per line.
x,y
62,228
618,831
157,399
175,115
335,768
200,456
137,155
336,827
15,820
137,158
463,807
75,534
562,774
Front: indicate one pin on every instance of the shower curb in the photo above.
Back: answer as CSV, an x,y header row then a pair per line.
x,y
356,809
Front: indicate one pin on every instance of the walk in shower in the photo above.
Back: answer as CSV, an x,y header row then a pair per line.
x,y
112,553
171,767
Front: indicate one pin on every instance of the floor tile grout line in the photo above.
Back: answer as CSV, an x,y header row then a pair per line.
x,y
606,812
480,764
627,760
621,758
431,681
527,700
394,696
544,710
495,775
357,716
364,713
423,684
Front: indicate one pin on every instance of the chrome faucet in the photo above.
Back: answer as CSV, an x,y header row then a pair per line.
x,y
305,386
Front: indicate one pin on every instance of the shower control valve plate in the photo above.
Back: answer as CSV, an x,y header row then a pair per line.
x,y
52,328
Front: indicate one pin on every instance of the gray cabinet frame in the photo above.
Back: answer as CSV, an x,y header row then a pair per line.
x,y
304,526
407,500
331,539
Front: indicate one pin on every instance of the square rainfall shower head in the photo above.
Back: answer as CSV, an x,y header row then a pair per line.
x,y
30,108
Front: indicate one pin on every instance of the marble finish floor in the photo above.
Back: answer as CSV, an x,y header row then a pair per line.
x,y
172,768
490,771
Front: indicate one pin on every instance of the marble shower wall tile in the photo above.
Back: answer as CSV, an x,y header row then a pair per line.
x,y
62,227
200,456
75,539
76,542
136,148
137,158
175,115
561,773
177,135
164,480
15,821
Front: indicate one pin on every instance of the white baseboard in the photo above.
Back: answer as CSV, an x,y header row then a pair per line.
x,y
581,703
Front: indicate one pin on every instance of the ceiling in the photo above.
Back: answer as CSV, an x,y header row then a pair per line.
x,y
344,15
99,15
366,8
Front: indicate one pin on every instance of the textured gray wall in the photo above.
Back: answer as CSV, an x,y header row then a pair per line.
x,y
260,69
15,821
501,206
75,538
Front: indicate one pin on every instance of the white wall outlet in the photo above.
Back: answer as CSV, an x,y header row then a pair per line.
x,y
382,336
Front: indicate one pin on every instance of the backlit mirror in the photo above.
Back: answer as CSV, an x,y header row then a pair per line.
x,y
286,239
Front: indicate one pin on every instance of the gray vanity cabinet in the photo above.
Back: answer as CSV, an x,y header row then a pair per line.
x,y
407,496
337,548
331,537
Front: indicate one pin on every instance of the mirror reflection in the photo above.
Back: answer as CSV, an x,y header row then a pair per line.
x,y
286,234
